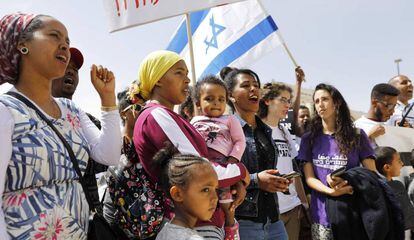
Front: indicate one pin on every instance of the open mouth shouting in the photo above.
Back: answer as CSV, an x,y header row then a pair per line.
x,y
68,81
62,58
254,98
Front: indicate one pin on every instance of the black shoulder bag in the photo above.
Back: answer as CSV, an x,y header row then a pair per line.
x,y
98,227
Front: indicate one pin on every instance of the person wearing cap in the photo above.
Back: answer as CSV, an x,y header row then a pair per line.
x,y
66,86
41,196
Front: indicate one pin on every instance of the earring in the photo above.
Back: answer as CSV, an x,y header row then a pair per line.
x,y
24,50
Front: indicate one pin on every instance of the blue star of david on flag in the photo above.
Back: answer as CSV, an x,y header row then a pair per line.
x,y
238,43
215,30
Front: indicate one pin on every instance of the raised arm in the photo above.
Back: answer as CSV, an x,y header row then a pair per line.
x,y
300,77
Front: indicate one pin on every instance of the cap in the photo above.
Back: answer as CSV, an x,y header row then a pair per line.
x,y
76,56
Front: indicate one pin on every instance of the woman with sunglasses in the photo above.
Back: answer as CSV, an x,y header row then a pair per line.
x,y
333,142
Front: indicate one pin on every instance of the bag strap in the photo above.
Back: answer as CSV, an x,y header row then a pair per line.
x,y
65,143
405,115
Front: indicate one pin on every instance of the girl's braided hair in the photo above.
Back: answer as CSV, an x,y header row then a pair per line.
x,y
176,167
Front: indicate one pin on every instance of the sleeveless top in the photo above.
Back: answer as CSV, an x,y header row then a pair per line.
x,y
43,198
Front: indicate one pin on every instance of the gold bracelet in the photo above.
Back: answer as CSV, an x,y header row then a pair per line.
x,y
108,109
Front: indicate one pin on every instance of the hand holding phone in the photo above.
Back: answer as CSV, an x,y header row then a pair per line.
x,y
291,175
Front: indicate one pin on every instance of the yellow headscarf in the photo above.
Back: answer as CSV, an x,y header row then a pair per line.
x,y
152,68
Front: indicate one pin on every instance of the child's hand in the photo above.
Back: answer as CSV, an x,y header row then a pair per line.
x,y
229,213
232,160
239,192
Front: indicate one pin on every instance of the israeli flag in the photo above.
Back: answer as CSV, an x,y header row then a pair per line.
x,y
231,35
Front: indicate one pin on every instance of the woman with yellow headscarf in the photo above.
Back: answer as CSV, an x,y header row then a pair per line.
x,y
163,83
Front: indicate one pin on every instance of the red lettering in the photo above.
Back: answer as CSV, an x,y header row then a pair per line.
x,y
117,7
137,4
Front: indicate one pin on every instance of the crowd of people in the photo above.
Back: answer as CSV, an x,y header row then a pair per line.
x,y
224,167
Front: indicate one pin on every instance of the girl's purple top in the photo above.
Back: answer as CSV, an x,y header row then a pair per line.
x,y
325,157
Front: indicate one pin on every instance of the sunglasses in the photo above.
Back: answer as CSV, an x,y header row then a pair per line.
x,y
388,106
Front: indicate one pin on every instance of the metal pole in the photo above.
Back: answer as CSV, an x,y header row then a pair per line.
x,y
397,61
281,38
190,46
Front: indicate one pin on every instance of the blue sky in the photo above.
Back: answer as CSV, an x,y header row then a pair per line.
x,y
351,44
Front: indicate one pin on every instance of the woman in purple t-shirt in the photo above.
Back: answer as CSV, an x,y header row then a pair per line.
x,y
332,142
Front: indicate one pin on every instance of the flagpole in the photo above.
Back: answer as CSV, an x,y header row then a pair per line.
x,y
287,49
280,36
190,46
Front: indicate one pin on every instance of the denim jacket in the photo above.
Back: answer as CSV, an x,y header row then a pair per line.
x,y
249,207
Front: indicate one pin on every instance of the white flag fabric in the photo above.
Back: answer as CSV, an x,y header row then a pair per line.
x,y
232,35
126,13
400,138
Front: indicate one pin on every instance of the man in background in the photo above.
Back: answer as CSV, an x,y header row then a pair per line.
x,y
65,86
383,101
404,84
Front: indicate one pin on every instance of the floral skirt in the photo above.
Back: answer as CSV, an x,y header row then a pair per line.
x,y
56,211
320,232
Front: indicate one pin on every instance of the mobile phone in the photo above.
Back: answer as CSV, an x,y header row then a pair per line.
x,y
291,175
338,172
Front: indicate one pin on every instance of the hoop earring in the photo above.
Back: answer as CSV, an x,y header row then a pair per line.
x,y
24,50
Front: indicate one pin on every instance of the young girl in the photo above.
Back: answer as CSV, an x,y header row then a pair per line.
x,y
222,133
332,142
191,183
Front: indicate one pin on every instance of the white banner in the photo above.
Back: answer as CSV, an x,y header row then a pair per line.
x,y
400,138
124,14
